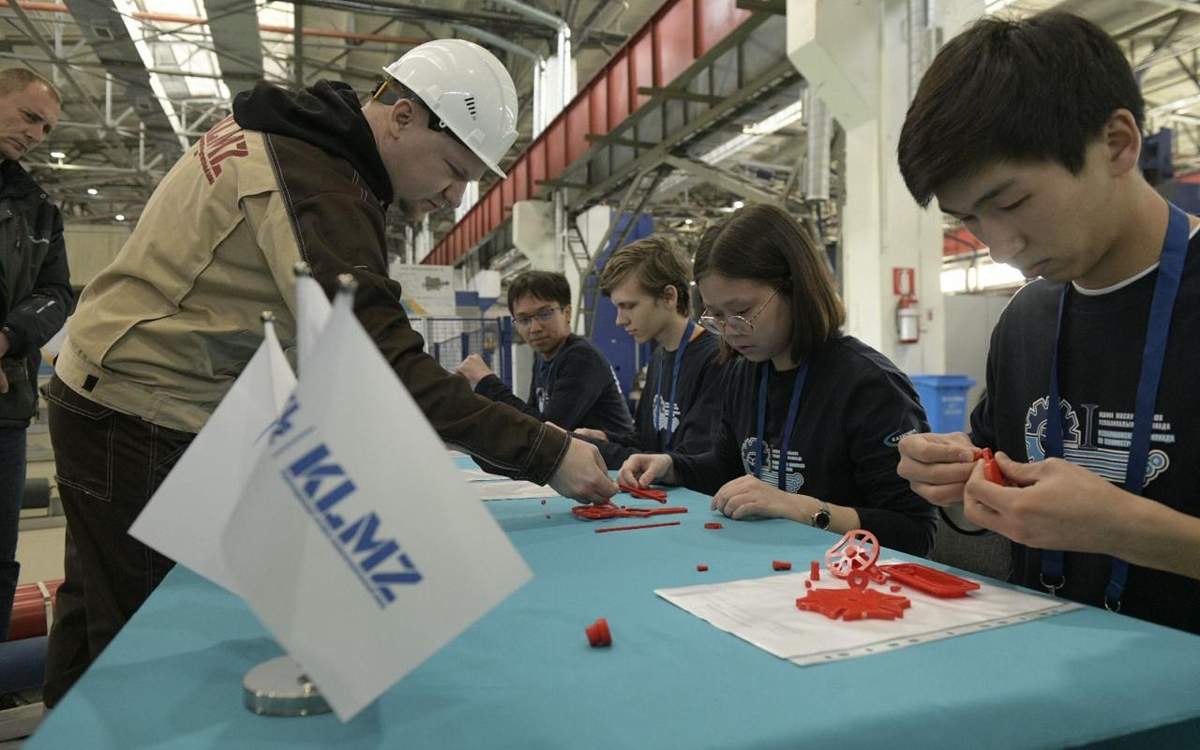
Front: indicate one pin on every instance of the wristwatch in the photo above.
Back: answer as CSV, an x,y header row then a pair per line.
x,y
821,518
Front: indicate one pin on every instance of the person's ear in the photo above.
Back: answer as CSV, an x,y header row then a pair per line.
x,y
402,116
1122,141
669,296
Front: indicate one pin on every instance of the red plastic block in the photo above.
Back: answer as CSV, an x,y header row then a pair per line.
x,y
712,525
598,633
702,568
781,565
814,572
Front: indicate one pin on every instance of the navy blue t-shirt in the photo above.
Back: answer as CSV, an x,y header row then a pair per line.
x,y
575,388
855,407
695,412
1099,365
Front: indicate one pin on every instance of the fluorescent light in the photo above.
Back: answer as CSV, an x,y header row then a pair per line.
x,y
57,155
120,217
777,120
737,205
93,191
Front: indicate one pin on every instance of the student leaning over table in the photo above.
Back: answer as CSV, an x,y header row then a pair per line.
x,y
1044,170
799,395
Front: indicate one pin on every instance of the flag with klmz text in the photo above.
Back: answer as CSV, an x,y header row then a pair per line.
x,y
356,541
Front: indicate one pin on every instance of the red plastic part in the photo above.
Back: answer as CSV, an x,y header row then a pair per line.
x,y
894,588
991,469
781,565
814,571
932,581
598,633
712,525
608,510
808,584
646,493
858,549
639,526
853,604
702,568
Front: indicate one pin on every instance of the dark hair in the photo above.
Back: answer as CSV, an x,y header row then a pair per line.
x,y
13,80
552,287
765,243
1036,89
658,264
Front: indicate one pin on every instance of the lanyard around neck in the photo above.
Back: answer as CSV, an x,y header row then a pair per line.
x,y
793,409
670,426
1166,289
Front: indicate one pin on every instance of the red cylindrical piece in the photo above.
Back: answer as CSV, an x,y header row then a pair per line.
x,y
702,568
712,525
814,570
781,565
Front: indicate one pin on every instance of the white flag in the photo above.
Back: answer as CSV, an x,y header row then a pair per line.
x,y
187,515
312,311
357,542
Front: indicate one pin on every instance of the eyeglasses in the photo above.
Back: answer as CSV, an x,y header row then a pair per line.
x,y
542,316
736,325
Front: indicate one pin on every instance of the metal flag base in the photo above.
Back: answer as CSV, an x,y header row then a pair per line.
x,y
279,687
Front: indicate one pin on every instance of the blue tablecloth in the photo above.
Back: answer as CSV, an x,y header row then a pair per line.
x,y
524,676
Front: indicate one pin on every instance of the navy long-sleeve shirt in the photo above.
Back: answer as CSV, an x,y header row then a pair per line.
x,y
575,388
854,408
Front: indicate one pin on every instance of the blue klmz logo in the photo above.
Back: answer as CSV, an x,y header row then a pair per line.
x,y
321,484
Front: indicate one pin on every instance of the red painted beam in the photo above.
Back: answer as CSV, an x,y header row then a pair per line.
x,y
678,33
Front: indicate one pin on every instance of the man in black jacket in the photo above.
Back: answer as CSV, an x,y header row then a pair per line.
x,y
35,294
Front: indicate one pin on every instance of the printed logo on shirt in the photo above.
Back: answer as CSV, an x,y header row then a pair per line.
x,y
659,417
1099,441
543,398
770,473
893,440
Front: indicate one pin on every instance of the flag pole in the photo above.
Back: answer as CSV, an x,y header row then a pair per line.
x,y
279,686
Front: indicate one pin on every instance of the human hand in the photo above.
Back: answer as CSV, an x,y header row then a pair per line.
x,y
588,432
582,476
937,465
642,469
474,369
748,496
1053,504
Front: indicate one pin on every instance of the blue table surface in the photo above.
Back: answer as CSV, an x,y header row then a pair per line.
x,y
524,676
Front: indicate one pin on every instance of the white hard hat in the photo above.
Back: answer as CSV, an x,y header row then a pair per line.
x,y
468,89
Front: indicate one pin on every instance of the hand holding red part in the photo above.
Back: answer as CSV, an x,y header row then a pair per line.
x,y
991,469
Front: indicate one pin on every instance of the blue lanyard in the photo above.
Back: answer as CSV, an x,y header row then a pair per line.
x,y
1166,288
670,428
793,409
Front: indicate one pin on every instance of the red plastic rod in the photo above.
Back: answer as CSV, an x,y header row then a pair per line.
x,y
639,526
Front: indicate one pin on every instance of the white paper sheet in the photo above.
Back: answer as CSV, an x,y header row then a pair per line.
x,y
511,489
475,474
763,612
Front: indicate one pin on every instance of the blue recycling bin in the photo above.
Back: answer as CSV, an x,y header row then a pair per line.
x,y
945,400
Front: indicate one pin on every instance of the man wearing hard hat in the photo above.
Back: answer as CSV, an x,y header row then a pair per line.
x,y
161,333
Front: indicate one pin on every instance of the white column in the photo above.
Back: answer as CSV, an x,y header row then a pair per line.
x,y
856,55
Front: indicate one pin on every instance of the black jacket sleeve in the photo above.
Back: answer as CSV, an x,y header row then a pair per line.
x,y
494,388
35,319
882,406
722,462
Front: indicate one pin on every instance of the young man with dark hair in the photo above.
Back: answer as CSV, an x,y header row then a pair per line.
x,y
1029,132
649,283
573,384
